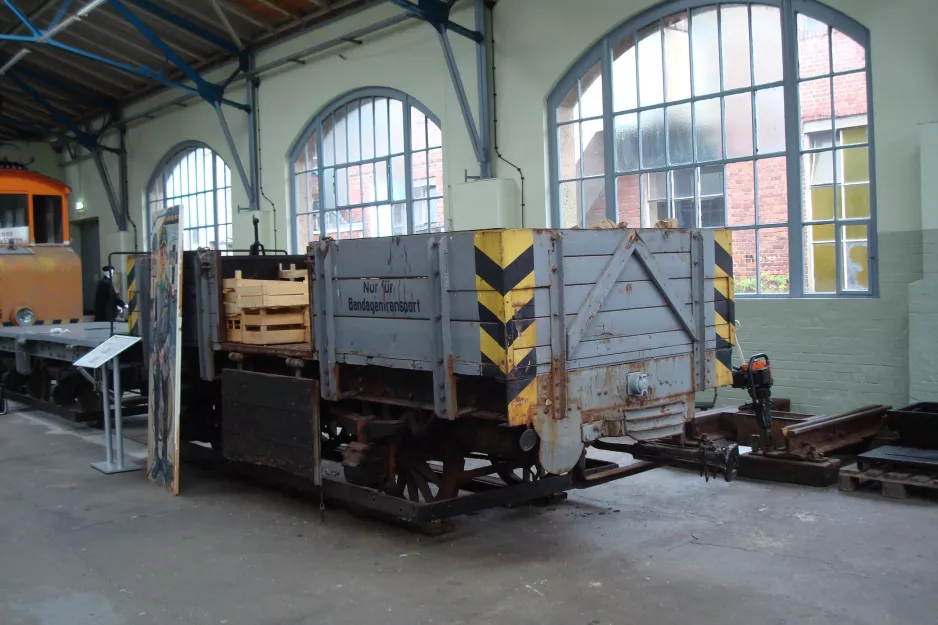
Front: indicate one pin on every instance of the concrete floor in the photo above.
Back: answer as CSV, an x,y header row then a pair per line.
x,y
81,548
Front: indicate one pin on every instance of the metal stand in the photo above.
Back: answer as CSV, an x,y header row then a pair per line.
x,y
109,466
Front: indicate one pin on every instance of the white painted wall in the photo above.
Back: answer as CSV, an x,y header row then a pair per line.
x,y
37,156
536,42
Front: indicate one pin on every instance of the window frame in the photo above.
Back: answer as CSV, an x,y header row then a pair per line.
x,y
315,126
161,175
602,52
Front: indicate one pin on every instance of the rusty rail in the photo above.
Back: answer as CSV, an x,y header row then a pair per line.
x,y
823,434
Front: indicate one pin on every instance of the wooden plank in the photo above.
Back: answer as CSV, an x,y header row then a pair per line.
x,y
269,301
275,317
267,336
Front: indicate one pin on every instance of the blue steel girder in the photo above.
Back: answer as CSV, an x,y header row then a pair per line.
x,y
436,13
210,92
60,13
22,17
189,26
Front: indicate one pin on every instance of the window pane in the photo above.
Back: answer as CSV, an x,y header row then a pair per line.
x,y
328,142
856,259
738,125
435,170
813,47
591,93
848,54
354,133
434,135
594,199
328,183
570,204
368,128
302,194
685,211
381,127
773,260
815,99
568,144
820,260
651,78
623,76
628,199
856,201
856,165
712,212
655,190
397,126
652,132
766,44
706,50
744,261
341,186
734,26
677,56
712,203
341,136
709,130
354,184
569,108
856,134
683,184
772,188
398,180
594,150
850,95
770,120
740,193
627,142
368,182
418,129
420,173
680,142
421,216
381,181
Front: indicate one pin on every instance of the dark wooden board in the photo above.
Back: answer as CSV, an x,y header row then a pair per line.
x,y
759,467
270,420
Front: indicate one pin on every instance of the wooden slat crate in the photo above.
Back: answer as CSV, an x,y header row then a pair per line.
x,y
279,326
241,294
292,273
266,312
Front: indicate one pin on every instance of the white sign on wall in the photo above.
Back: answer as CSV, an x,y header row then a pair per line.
x,y
17,235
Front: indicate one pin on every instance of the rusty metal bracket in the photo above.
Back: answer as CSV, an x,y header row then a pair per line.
x,y
698,304
558,331
324,300
444,384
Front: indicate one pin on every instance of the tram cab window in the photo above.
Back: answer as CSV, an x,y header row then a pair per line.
x,y
47,218
13,211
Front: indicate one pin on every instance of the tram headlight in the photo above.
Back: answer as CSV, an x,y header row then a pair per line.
x,y
24,317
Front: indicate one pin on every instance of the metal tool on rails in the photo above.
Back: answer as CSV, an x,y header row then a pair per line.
x,y
756,377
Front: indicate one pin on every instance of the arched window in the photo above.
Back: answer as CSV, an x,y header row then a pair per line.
x,y
369,165
195,178
754,117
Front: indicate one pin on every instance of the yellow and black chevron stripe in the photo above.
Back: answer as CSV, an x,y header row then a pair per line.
x,y
724,306
133,314
46,322
504,261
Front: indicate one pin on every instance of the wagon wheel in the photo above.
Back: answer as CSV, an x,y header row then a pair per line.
x,y
528,472
416,481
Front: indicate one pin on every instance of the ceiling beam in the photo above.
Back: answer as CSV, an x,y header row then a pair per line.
x,y
116,19
236,9
272,4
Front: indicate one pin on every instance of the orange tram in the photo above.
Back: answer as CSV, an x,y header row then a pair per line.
x,y
40,274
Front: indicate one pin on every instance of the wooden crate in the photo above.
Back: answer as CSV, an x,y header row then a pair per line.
x,y
241,294
292,273
279,326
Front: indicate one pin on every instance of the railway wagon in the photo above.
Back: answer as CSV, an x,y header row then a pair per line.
x,y
482,362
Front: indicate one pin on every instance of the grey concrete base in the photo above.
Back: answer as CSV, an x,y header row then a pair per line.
x,y
664,547
112,467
